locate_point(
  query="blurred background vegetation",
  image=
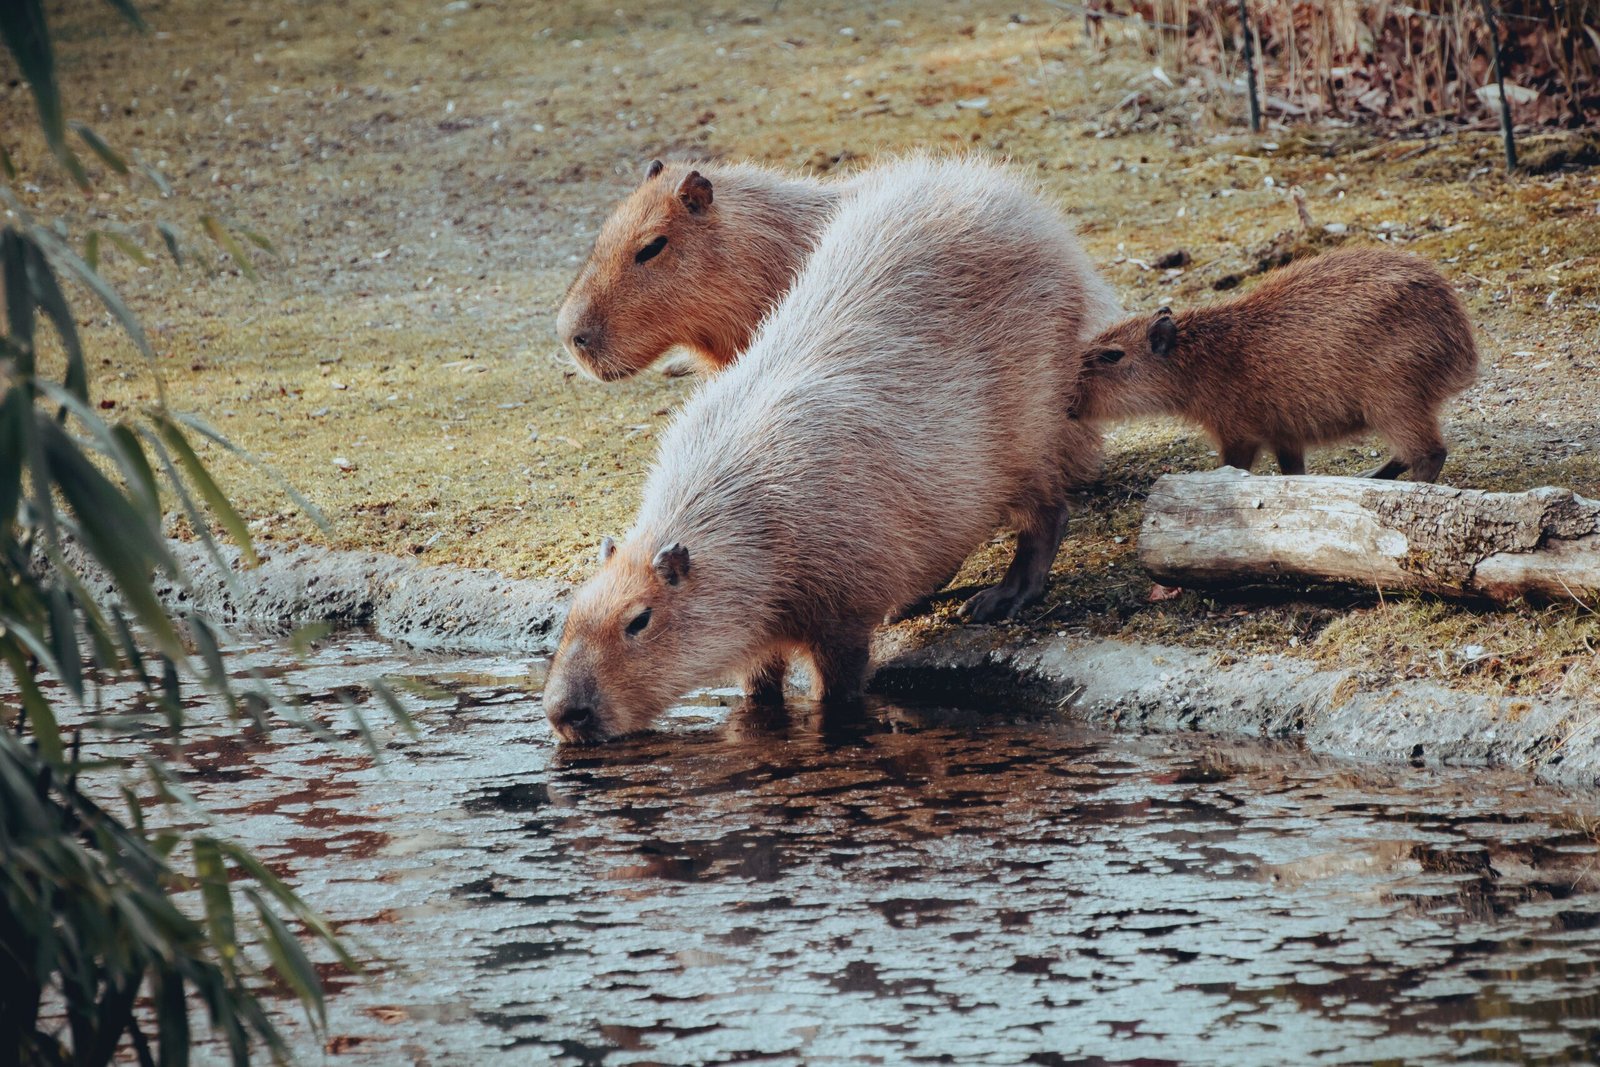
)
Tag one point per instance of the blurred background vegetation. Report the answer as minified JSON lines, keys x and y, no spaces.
{"x":1428,"y":63}
{"x":97,"y":959}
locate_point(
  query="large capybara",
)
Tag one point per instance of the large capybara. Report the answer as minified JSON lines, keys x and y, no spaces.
{"x":897,"y":407}
{"x":694,"y":257}
{"x":1321,"y":350}
{"x":697,"y":255}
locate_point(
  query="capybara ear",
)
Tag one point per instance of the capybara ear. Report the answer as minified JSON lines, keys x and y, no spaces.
{"x":695,"y":192}
{"x":653,"y":169}
{"x":672,"y":563}
{"x":1163,"y":333}
{"x":608,"y":548}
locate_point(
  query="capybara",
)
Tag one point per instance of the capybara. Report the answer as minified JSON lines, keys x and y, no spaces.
{"x":898,"y":406}
{"x":694,"y":257}
{"x":697,"y":255}
{"x":1320,"y":350}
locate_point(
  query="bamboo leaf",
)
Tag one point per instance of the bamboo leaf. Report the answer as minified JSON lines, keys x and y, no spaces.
{"x":98,"y":146}
{"x":130,"y":646}
{"x":143,"y":478}
{"x":19,"y":297}
{"x":212,"y":875}
{"x":257,"y":239}
{"x":64,"y":643}
{"x":290,"y":961}
{"x":127,"y":247}
{"x":170,"y":236}
{"x":196,"y":470}
{"x":126,"y":9}
{"x":390,"y":700}
{"x":219,"y":233}
{"x":27,"y":38}
{"x":41,"y":719}
{"x":91,"y":249}
{"x":200,"y":426}
{"x":64,"y":257}
{"x":114,"y":532}
{"x":47,"y":294}
{"x":172,"y":1021}
{"x":197,"y":518}
{"x":210,"y":652}
{"x":16,"y":411}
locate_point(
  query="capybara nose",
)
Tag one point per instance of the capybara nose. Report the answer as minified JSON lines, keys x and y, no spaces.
{"x":573,"y":716}
{"x":580,"y":340}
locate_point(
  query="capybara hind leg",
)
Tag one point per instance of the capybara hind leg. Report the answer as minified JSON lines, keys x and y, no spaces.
{"x":764,"y":685}
{"x":1291,"y":460}
{"x":920,"y":606}
{"x":840,"y":661}
{"x":1029,"y":572}
{"x":1241,"y":454}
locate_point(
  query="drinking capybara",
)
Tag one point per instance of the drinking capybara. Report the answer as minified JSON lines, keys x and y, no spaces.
{"x":1321,"y":350}
{"x":897,"y":406}
{"x":697,"y":255}
{"x":694,"y":257}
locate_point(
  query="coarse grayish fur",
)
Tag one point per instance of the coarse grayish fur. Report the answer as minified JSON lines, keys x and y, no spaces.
{"x":898,"y":407}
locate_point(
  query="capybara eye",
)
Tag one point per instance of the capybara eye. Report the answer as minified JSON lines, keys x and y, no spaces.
{"x":651,"y":250}
{"x":640,"y":621}
{"x":1110,"y":355}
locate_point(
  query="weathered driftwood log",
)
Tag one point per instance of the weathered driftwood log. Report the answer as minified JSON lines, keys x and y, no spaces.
{"x":1224,"y":527}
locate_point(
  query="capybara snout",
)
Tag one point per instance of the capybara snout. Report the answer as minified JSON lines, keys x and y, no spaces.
{"x":613,"y":669}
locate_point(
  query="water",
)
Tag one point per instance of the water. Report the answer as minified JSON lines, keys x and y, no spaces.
{"x":911,"y":885}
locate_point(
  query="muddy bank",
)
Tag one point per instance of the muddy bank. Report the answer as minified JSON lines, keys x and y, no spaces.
{"x":1120,"y":684}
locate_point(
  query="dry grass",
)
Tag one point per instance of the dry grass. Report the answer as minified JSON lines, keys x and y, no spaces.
{"x":433,"y":175}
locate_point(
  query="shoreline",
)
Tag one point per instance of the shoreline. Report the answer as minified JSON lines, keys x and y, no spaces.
{"x":1149,"y":688}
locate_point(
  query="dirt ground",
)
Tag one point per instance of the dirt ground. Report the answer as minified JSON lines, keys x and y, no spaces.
{"x":432,"y":173}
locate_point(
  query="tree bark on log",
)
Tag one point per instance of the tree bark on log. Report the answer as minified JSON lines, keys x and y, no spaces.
{"x":1225,"y":527}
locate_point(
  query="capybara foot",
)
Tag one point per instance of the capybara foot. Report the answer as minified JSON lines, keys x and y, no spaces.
{"x":841,"y":663}
{"x":1427,"y":468}
{"x":995,"y":604}
{"x":765,"y":684}
{"x":1392,"y":469}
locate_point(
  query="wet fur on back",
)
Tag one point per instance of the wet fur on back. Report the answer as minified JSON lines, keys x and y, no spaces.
{"x":1319,"y":351}
{"x":892,"y":412}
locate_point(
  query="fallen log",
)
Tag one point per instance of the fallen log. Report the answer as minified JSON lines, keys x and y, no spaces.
{"x":1225,"y":527}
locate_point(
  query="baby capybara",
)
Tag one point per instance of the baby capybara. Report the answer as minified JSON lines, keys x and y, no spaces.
{"x":895,"y":409}
{"x":693,"y":257}
{"x":1323,"y":349}
{"x":697,"y":255}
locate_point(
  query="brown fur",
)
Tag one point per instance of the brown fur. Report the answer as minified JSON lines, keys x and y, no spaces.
{"x":726,"y":261}
{"x":896,"y":408}
{"x":1355,"y":340}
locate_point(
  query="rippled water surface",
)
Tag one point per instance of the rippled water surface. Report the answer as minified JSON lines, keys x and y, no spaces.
{"x":912,"y":885}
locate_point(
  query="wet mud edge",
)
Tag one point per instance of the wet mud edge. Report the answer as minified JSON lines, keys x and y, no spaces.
{"x":1107,"y":683}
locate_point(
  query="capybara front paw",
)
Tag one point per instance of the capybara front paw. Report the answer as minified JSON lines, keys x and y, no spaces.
{"x":995,"y":604}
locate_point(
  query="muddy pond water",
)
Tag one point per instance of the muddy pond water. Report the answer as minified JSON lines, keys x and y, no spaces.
{"x":913,"y":884}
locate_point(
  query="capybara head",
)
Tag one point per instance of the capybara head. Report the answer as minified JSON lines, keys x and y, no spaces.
{"x":1127,"y":368}
{"x":650,"y":279}
{"x":624,"y":654}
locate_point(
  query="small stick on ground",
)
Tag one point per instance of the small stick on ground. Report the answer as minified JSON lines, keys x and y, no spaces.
{"x":1250,"y":69}
{"x":1500,"y":83}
